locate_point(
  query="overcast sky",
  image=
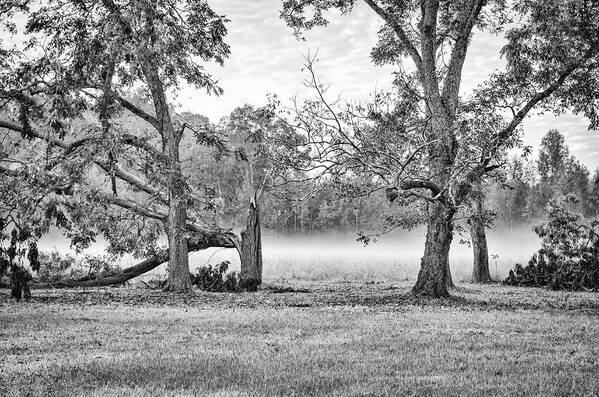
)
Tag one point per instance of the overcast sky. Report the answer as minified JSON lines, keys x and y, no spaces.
{"x":266,"y":58}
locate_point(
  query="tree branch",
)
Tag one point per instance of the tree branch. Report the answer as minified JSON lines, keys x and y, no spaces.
{"x":401,"y":34}
{"x":140,"y":143}
{"x":118,"y":171}
{"x":420,"y":184}
{"x":428,"y":38}
{"x":129,"y":205}
{"x":139,"y":112}
{"x":504,"y":134}
{"x":453,"y":78}
{"x":131,"y":179}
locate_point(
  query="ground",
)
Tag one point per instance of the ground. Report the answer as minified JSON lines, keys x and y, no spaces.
{"x":323,"y":338}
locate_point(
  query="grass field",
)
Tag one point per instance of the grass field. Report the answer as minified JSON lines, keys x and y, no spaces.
{"x":326,"y":338}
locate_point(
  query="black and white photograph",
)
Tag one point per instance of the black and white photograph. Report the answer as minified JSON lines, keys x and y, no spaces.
{"x":299,"y":198}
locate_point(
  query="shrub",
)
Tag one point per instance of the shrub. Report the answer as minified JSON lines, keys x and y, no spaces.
{"x":216,"y":279}
{"x":20,"y":246}
{"x":569,"y":254}
{"x":55,"y":267}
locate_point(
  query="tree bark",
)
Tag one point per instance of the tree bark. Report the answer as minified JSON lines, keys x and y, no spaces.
{"x":480,"y":268}
{"x":434,"y":277}
{"x":225,"y":240}
{"x":449,"y":278}
{"x":251,"y":250}
{"x":178,"y":261}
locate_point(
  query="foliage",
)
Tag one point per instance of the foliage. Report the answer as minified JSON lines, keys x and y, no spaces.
{"x":216,"y":279}
{"x":540,"y":72}
{"x":20,"y":247}
{"x":55,"y":267}
{"x":569,"y":254}
{"x":68,"y":88}
{"x":553,"y":155}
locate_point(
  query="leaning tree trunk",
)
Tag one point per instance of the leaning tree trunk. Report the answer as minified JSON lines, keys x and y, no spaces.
{"x":480,"y":268}
{"x":251,"y":250}
{"x":434,"y":277}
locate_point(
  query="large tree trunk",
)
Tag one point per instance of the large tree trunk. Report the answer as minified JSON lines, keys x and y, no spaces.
{"x":225,"y":240}
{"x":480,"y":269}
{"x":434,"y":277}
{"x":178,"y":262}
{"x":178,"y":267}
{"x":251,"y":250}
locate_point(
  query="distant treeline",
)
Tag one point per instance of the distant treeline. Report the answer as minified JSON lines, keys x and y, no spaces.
{"x":529,"y":184}
{"x":519,"y":194}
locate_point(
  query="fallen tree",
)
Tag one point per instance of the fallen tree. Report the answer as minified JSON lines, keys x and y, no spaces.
{"x":101,"y":279}
{"x":569,"y":254}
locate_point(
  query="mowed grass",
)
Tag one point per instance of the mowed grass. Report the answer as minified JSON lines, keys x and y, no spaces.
{"x":338,"y":339}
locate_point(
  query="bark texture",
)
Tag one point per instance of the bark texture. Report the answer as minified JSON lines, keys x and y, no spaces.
{"x":480,"y":265}
{"x":178,"y":257}
{"x":434,"y":276}
{"x":251,"y":250}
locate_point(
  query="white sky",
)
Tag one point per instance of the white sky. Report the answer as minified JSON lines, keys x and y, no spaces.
{"x":267,"y":58}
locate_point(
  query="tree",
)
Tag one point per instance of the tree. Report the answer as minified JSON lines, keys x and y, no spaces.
{"x":551,"y":63}
{"x":93,"y":53}
{"x":553,"y":155}
{"x":574,"y":180}
{"x":250,"y":129}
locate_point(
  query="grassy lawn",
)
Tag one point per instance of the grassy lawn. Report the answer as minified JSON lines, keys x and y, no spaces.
{"x":339,"y":339}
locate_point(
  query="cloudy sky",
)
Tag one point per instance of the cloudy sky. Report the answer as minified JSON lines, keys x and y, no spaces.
{"x":266,"y":58}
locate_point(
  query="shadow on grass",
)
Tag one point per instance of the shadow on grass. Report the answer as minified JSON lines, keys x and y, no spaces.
{"x":377,"y":296}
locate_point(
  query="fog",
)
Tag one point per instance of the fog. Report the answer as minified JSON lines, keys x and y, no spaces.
{"x":339,"y":257}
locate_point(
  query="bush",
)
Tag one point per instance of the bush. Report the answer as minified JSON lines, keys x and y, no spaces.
{"x":569,"y":254}
{"x":11,"y":260}
{"x":216,"y":279}
{"x":55,"y":267}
